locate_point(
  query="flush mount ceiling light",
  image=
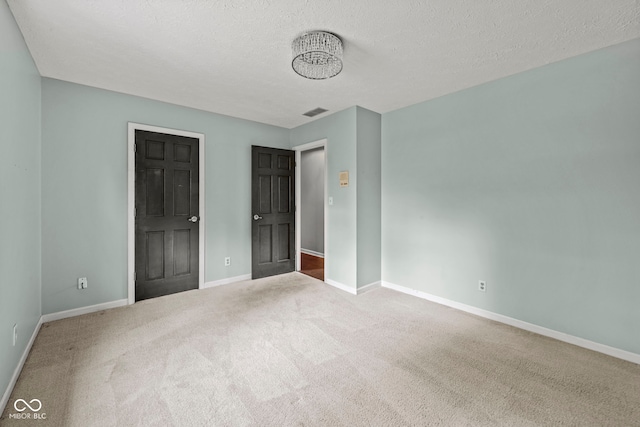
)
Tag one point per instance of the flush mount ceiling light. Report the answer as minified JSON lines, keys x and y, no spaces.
{"x":317,"y":55}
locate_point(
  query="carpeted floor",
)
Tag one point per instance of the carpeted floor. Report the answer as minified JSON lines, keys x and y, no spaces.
{"x":291,"y":350}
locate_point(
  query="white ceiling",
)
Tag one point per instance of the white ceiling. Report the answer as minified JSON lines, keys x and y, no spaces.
{"x":233,"y":56}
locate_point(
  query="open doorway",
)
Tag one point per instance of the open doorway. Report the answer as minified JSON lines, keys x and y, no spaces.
{"x":311,"y":212}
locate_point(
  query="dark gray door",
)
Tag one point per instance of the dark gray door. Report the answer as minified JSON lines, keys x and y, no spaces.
{"x":166,"y":220}
{"x":273,"y":211}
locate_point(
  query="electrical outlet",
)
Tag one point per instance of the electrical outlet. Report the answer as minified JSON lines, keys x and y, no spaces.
{"x":482,"y":286}
{"x":15,"y":334}
{"x":227,"y":261}
{"x":82,"y":283}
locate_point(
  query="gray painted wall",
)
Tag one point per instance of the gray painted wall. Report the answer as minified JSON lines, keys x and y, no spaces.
{"x":340,"y":248}
{"x":312,"y":200}
{"x":20,"y":276}
{"x":352,"y":250}
{"x":531,"y":183}
{"x":84,"y":191}
{"x":369,"y":196}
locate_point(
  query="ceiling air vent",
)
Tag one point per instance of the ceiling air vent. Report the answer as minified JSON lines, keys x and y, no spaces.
{"x":315,"y":112}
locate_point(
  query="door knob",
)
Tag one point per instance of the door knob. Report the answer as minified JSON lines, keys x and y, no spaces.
{"x":193,"y":219}
{"x":257,"y":217}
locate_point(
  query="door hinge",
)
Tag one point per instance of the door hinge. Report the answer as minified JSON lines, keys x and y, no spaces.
{"x":135,"y":147}
{"x":135,"y":276}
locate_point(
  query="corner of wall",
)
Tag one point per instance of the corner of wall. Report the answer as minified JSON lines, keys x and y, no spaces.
{"x":20,"y":210}
{"x":369,"y":202}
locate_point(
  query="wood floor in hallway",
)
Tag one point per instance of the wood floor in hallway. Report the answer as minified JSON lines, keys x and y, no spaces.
{"x":312,"y":265}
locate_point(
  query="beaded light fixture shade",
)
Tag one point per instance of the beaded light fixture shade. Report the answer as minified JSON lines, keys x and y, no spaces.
{"x":317,"y":55}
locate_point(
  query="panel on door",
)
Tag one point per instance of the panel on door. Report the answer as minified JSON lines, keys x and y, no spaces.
{"x":166,"y":217}
{"x":273,"y":211}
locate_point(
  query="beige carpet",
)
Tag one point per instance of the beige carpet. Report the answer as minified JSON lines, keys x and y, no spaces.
{"x":291,"y":351}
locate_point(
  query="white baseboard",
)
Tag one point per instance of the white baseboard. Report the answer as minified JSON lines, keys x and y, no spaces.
{"x":50,"y":318}
{"x":227,"y":281}
{"x":369,"y":287}
{"x":83,"y":310}
{"x":16,"y":372}
{"x":560,"y":336}
{"x":340,"y":286}
{"x":352,"y":291}
{"x":310,"y":252}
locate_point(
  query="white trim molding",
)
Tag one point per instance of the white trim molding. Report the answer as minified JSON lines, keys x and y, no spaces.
{"x":369,"y":287}
{"x":227,"y":281}
{"x":16,"y":372}
{"x":83,"y":310}
{"x":131,"y":139}
{"x":560,"y":336}
{"x":50,"y":318}
{"x":340,"y":286}
{"x":353,"y":291}
{"x":312,"y":253}
{"x":299,"y":149}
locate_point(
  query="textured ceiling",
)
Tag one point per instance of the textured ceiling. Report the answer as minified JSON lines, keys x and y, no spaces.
{"x":233,"y":56}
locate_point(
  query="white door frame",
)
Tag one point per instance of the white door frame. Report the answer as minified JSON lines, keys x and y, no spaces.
{"x":299,"y":149}
{"x":131,"y":227}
